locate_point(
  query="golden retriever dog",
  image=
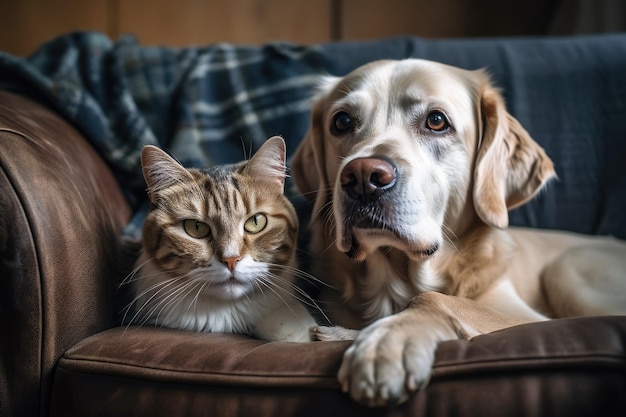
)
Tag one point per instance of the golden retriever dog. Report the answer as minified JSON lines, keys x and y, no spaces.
{"x":411,"y":167}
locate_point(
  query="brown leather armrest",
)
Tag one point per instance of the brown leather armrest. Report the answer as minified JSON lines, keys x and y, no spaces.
{"x":60,"y":213}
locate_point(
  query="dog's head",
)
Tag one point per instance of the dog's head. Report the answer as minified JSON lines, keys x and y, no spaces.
{"x":402,"y":153}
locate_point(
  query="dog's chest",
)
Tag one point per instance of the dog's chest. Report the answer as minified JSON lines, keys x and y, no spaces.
{"x":388,"y":283}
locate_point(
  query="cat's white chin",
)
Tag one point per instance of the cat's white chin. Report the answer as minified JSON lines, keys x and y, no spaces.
{"x":231,"y":289}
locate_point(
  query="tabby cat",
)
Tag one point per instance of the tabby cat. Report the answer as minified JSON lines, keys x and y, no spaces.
{"x":219,"y":249}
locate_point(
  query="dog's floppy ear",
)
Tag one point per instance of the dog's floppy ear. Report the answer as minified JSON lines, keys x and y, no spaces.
{"x":510,"y":166}
{"x":307,"y":166}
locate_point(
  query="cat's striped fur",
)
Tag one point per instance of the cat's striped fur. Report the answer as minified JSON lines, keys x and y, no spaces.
{"x":219,"y":249}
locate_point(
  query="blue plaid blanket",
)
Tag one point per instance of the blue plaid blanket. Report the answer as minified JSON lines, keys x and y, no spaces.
{"x":206,"y":105}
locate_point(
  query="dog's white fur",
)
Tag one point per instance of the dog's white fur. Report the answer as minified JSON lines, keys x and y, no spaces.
{"x":441,"y":262}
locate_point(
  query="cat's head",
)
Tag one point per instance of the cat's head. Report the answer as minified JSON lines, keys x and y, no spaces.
{"x":229,"y":226}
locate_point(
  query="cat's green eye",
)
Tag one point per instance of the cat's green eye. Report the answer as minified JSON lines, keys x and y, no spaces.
{"x":255,"y":223}
{"x":196,"y":229}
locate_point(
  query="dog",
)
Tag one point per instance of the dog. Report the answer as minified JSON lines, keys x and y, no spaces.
{"x":411,"y":167}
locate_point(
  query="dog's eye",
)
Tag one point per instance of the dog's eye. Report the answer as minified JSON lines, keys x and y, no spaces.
{"x":437,"y":121}
{"x":342,"y":123}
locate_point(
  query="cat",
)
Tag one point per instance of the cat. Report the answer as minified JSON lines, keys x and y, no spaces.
{"x":218,"y":249}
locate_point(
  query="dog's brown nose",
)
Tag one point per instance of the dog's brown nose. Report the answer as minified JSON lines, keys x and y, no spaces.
{"x":366,"y":179}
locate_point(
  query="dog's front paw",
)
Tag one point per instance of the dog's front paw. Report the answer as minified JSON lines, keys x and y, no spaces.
{"x":390,"y":359}
{"x":329,"y":333}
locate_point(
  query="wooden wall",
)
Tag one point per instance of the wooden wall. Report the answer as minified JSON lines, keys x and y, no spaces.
{"x":28,"y":23}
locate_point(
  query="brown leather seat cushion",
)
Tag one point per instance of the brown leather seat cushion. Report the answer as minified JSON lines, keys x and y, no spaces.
{"x":526,"y":370}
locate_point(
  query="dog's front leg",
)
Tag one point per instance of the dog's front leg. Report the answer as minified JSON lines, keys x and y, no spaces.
{"x":393,"y":356}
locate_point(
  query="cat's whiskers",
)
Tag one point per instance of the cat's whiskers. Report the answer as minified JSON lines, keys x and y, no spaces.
{"x":315,"y":192}
{"x":294,"y":291}
{"x":131,"y":277}
{"x":194,"y":279}
{"x":194,"y":302}
{"x":173,"y":298}
{"x":324,"y":209}
{"x":258,"y":287}
{"x":312,"y":279}
{"x":269,"y":284}
{"x":127,"y":308}
{"x":157,"y":288}
{"x":328,"y":220}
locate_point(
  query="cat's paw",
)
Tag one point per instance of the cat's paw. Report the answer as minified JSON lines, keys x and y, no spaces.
{"x":326,"y":333}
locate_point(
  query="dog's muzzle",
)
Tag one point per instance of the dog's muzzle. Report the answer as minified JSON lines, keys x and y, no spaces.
{"x":367,"y":179}
{"x":372,"y":214}
{"x":364,"y":181}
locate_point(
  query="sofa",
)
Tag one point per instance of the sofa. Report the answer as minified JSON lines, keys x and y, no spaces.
{"x":73,"y":118}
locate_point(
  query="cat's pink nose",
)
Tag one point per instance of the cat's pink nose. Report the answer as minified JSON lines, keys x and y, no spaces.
{"x":231,"y":262}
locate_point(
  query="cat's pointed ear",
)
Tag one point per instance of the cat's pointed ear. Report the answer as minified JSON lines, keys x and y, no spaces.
{"x":269,"y":162}
{"x":160,"y":171}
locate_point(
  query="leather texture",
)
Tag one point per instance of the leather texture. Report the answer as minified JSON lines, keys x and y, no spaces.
{"x":565,"y":367}
{"x":60,"y":214}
